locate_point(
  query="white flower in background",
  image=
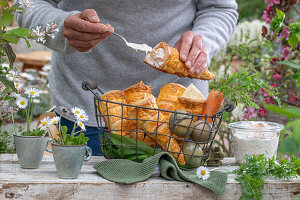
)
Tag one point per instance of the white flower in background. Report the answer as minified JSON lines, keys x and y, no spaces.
{"x":40,"y":36}
{"x":27,"y":76}
{"x":203,"y":173}
{"x":18,"y":85}
{"x":238,"y":113}
{"x":44,"y":92}
{"x":36,"y":101}
{"x":51,"y":109}
{"x":82,"y":117}
{"x":5,"y":65}
{"x":54,"y":120}
{"x":44,"y":123}
{"x":247,"y":31}
{"x":77,"y":111}
{"x":32,"y":92}
{"x":25,"y":3}
{"x":46,"y":68}
{"x":81,"y":125}
{"x":43,"y":73}
{"x":22,"y":102}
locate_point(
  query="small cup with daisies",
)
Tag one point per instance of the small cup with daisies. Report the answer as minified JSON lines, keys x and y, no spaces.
{"x":27,"y":102}
{"x":69,"y":148}
{"x":76,"y":136}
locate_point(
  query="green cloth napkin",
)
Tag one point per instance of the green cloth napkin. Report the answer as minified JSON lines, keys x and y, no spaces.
{"x":128,"y":172}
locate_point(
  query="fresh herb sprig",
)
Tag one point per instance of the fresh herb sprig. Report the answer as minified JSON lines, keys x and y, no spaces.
{"x":253,"y":172}
{"x":239,"y":86}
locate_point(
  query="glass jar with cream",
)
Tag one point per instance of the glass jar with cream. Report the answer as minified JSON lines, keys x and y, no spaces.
{"x":254,"y":138}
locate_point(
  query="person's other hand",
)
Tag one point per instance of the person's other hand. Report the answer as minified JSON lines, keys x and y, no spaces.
{"x":192,"y":52}
{"x":83,"y":30}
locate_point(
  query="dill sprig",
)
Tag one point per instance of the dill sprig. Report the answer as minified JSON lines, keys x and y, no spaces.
{"x":256,"y":169}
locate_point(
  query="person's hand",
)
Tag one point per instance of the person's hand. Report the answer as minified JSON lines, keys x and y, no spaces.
{"x":83,"y":30}
{"x":192,"y":52}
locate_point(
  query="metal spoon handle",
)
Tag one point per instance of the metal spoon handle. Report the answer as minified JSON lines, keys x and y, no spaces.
{"x":118,"y":36}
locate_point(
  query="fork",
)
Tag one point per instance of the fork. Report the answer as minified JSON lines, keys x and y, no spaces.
{"x":134,"y":46}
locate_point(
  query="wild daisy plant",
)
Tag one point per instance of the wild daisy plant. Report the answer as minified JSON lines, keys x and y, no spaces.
{"x":27,"y":102}
{"x":76,"y":137}
{"x":8,"y":82}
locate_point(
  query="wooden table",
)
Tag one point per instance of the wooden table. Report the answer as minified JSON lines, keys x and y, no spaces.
{"x":34,"y":59}
{"x":42,"y":183}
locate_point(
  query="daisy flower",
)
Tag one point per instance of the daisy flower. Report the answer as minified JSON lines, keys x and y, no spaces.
{"x":82,"y":117}
{"x":81,"y":125}
{"x":77,"y":111}
{"x":51,"y":109}
{"x":18,"y":85}
{"x":44,"y":123}
{"x":203,"y":173}
{"x":22,"y":102}
{"x":54,"y":120}
{"x":32,"y":92}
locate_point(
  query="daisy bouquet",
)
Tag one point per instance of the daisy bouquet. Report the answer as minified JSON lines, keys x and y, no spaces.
{"x":27,"y":102}
{"x":76,"y":136}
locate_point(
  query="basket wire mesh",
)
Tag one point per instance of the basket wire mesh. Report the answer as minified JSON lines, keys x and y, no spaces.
{"x":209,"y":126}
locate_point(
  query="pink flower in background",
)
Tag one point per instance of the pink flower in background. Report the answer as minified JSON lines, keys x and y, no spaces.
{"x":262,"y":112}
{"x":263,"y":91}
{"x":249,"y":113}
{"x":272,"y":2}
{"x":293,"y":99}
{"x":277,"y":76}
{"x":285,"y":33}
{"x":267,"y":17}
{"x":285,"y":52}
{"x":273,"y":85}
{"x":268,"y":100}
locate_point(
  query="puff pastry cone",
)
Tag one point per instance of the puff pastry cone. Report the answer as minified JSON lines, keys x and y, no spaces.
{"x":133,"y":95}
{"x":148,"y":122}
{"x":166,"y":58}
{"x":116,"y":118}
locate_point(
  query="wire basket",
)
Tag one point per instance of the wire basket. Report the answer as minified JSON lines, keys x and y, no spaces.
{"x":191,"y":150}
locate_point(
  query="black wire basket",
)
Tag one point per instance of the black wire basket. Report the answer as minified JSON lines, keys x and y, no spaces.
{"x":191,"y":150}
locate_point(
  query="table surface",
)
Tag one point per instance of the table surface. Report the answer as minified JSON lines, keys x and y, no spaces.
{"x":42,"y":183}
{"x":38,"y":58}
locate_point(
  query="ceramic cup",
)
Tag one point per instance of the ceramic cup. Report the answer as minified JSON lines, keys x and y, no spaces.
{"x":68,"y":159}
{"x":30,"y":150}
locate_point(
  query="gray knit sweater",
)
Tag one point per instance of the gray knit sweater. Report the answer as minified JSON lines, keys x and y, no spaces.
{"x":111,"y":64}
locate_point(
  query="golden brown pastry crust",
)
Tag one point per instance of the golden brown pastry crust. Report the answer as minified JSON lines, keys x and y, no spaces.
{"x":152,"y":121}
{"x":115,"y":117}
{"x":168,"y":97}
{"x":192,"y":106}
{"x":173,"y":65}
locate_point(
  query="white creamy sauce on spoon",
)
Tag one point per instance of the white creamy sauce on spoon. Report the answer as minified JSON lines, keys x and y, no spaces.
{"x":139,"y":47}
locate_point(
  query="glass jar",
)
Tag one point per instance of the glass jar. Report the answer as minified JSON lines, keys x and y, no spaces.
{"x":254,"y":138}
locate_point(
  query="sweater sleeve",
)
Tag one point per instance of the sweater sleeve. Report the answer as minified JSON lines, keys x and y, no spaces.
{"x":44,"y":12}
{"x":215,"y":21}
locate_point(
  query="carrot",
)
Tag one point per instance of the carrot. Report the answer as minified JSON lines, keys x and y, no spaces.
{"x":213,"y":104}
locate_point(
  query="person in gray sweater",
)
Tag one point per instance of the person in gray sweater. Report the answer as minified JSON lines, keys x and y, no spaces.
{"x":84,"y":51}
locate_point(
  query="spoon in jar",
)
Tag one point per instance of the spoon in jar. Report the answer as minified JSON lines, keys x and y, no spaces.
{"x":136,"y":47}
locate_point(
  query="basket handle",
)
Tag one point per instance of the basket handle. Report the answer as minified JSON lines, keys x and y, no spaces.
{"x":90,"y":86}
{"x":229,"y":107}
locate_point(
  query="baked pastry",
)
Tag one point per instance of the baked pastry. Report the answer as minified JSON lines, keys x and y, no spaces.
{"x":166,"y":58}
{"x":151,"y":121}
{"x":168,"y":97}
{"x":192,"y":100}
{"x":133,"y":95}
{"x":115,"y":117}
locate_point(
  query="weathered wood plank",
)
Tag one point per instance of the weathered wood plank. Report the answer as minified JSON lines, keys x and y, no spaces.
{"x":42,"y":183}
